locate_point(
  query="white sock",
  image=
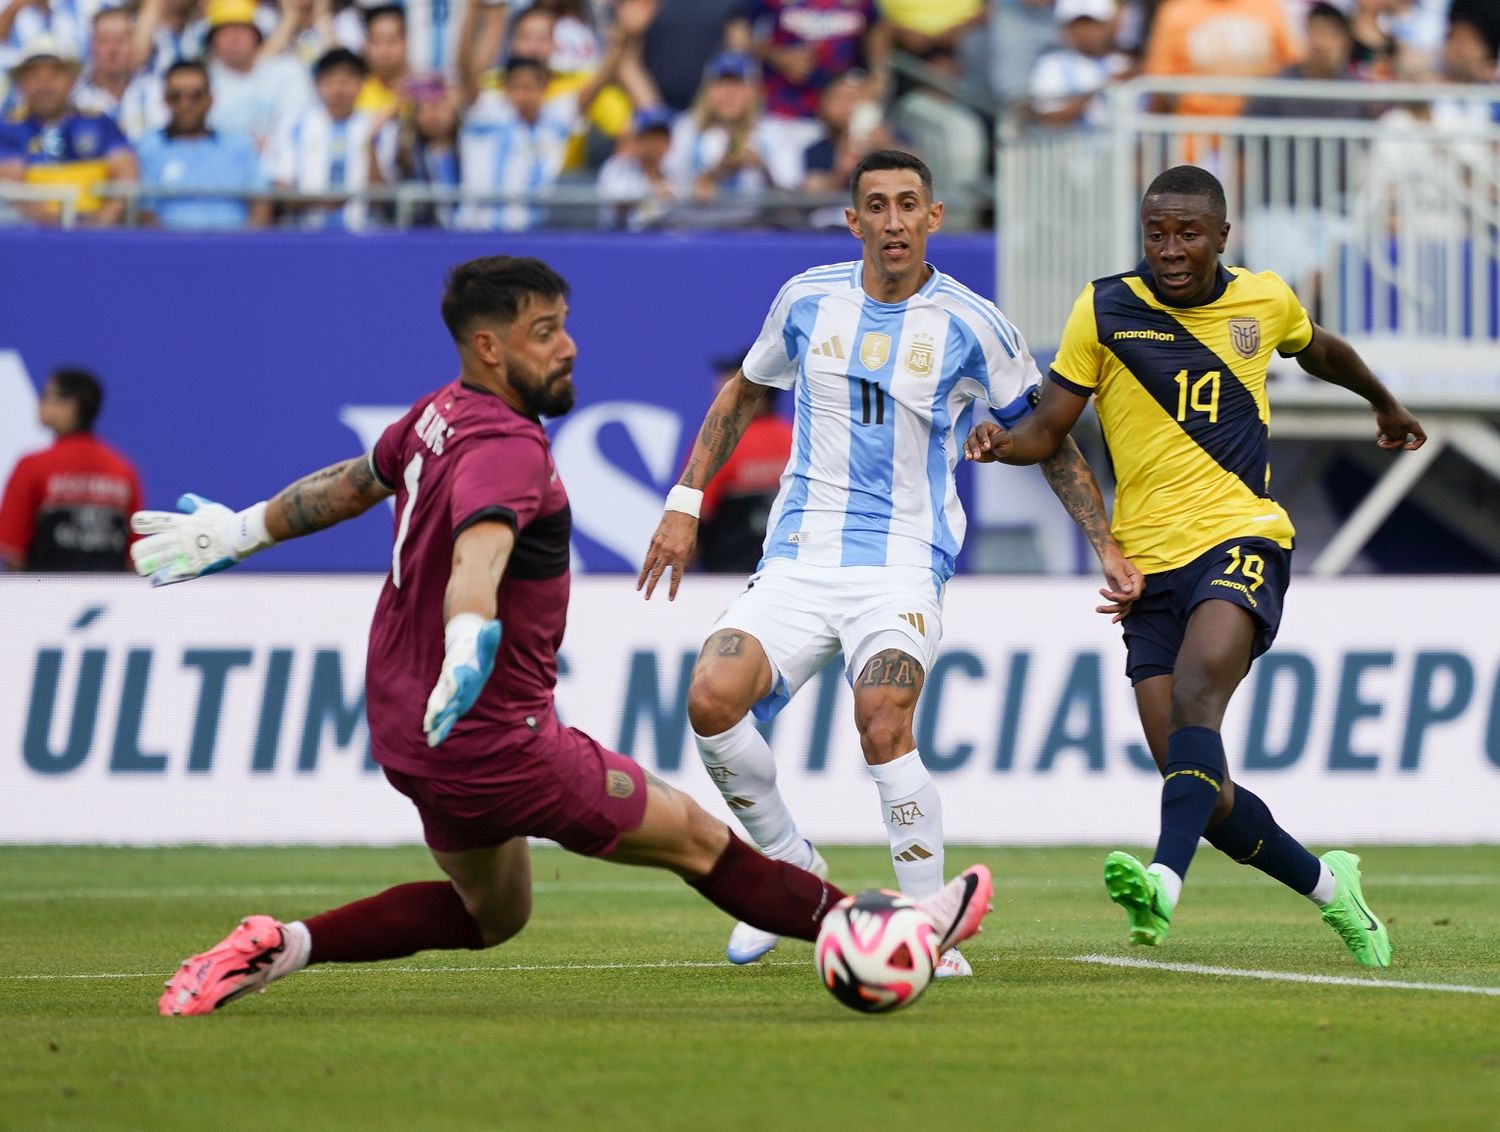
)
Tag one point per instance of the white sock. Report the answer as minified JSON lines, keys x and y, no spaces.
{"x":1327,"y":887}
{"x":1171,"y":883}
{"x":914,"y":821}
{"x":740,"y":763}
{"x":296,"y":946}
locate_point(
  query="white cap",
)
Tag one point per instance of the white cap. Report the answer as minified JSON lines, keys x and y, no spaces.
{"x":43,"y":46}
{"x":1069,"y":10}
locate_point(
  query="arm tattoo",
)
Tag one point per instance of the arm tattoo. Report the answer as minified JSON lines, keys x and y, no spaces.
{"x":721,"y":431}
{"x":330,"y":495}
{"x":1072,"y":481}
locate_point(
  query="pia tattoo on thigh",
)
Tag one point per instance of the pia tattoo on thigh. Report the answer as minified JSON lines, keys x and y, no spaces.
{"x":891,"y":669}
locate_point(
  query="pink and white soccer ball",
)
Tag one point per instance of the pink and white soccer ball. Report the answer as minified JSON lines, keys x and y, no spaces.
{"x":876,"y":951}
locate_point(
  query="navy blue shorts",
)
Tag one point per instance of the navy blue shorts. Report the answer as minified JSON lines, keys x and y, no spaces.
{"x":1250,"y":572}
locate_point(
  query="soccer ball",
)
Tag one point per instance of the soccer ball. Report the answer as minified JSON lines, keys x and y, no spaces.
{"x":876,"y":951}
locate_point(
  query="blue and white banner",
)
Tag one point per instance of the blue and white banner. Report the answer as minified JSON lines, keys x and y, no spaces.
{"x":230,"y":710}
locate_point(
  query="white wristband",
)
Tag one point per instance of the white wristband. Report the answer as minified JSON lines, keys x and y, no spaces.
{"x":252,"y":534}
{"x":688,"y":500}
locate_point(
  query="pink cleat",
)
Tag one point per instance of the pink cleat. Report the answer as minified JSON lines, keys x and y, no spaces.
{"x":238,"y":965}
{"x":960,"y":905}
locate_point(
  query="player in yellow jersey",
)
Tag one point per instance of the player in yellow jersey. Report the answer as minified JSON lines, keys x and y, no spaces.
{"x":1175,"y":354}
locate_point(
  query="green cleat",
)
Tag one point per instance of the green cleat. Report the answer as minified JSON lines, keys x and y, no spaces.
{"x":1348,"y":914}
{"x":1131,"y":887}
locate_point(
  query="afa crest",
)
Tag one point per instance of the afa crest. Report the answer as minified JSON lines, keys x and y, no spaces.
{"x":919,"y":356}
{"x":1244,"y":336}
{"x":874,"y":350}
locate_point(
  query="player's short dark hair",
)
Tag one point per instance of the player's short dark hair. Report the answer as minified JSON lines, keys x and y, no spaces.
{"x":1323,"y":10}
{"x":518,"y":64}
{"x":382,"y":10}
{"x":340,"y":57}
{"x":82,"y":388}
{"x":496,"y":287}
{"x":1190,"y":181}
{"x":183,"y":66}
{"x":883,"y":159}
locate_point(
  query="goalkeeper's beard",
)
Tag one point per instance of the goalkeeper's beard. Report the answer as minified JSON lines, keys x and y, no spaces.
{"x":549,"y":396}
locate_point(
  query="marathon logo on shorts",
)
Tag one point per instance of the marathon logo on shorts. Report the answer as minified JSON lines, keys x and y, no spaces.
{"x":618,"y":784}
{"x":1241,"y":587}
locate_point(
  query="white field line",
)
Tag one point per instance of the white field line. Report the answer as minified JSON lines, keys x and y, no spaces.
{"x":1281,"y":976}
{"x":195,"y":891}
{"x":391,"y":969}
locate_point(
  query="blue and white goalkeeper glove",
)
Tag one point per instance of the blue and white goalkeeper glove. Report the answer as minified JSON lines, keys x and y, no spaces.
{"x":204,"y":538}
{"x":469,"y":657}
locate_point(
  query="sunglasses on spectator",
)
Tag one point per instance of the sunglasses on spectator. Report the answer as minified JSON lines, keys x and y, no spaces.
{"x":186,"y":95}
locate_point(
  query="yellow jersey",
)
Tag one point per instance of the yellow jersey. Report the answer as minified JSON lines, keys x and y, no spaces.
{"x":1181,"y":397}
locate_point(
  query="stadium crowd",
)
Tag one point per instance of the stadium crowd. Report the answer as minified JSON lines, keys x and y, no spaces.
{"x":666,"y":112}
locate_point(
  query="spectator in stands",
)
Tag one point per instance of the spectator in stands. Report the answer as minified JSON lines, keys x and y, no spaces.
{"x":634,"y":181}
{"x":186,"y":154}
{"x":420,"y":145}
{"x":166,"y":31}
{"x":47,"y":141}
{"x":1225,"y":38}
{"x":1329,"y":58}
{"x":685,"y":35}
{"x":253,"y":93}
{"x":1483,"y":15}
{"x":112,"y":85}
{"x":720,"y":149}
{"x":457,"y":39}
{"x":23,"y":21}
{"x":385,"y":52}
{"x":514,"y":141}
{"x":68,"y":507}
{"x":577,"y":46}
{"x":956,"y":30}
{"x":737,"y":501}
{"x":304,"y":30}
{"x":1020,"y":32}
{"x":1373,"y":54}
{"x":853,"y":127}
{"x":1067,"y":84}
{"x":803,"y":45}
{"x":327,"y":148}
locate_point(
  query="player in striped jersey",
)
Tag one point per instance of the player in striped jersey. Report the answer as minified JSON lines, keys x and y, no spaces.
{"x":885,"y":356}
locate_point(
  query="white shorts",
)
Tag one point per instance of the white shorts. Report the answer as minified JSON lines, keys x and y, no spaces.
{"x":803,"y":615}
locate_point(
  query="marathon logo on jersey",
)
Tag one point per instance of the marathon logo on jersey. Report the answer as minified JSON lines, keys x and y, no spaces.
{"x":874,"y":349}
{"x":919,"y":356}
{"x":434,"y":429}
{"x":1244,"y":335}
{"x":1149,"y":335}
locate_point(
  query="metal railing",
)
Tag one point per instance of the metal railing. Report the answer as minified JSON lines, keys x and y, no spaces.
{"x":1387,"y":225}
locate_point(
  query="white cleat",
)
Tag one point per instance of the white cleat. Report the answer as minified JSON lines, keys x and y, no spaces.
{"x":748,"y":943}
{"x":952,"y":966}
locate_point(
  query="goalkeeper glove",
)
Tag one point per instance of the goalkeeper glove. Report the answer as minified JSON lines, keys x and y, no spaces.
{"x":204,"y":538}
{"x":468,"y":660}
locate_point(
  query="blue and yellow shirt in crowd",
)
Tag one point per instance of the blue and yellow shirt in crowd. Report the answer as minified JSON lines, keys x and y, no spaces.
{"x":1181,"y":397}
{"x":69,"y":151}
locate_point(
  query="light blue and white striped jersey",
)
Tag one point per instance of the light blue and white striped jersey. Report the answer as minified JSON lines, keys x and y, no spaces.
{"x":879,"y":389}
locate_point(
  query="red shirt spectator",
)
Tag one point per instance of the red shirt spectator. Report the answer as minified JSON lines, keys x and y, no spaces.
{"x":68,"y":507}
{"x":810,"y":42}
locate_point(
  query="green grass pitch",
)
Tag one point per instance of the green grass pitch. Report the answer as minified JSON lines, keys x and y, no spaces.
{"x":615,"y":1009}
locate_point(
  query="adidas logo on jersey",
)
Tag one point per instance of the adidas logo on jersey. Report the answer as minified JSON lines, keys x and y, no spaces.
{"x":832,"y":348}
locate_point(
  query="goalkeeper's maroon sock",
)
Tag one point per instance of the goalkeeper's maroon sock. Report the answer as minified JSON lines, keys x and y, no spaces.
{"x":772,"y":895}
{"x":428,"y":916}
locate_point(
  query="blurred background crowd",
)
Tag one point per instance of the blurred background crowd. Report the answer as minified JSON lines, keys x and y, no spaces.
{"x":650,"y":113}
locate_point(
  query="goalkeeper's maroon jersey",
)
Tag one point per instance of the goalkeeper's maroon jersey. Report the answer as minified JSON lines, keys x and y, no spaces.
{"x":458,"y":457}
